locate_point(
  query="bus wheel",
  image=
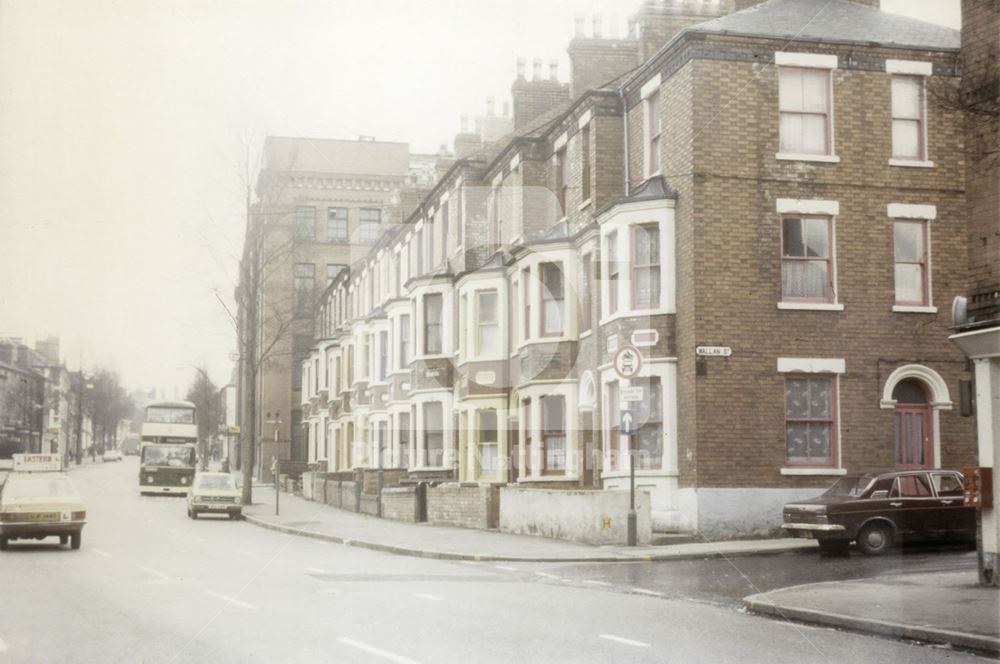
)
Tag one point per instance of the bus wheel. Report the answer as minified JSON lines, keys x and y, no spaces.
{"x":74,"y":540}
{"x":3,"y":542}
{"x":63,"y":539}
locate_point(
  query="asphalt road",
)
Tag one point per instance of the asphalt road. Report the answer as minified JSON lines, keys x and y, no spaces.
{"x":151,"y":585}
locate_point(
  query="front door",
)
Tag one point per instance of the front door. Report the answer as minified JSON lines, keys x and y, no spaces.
{"x":912,"y":427}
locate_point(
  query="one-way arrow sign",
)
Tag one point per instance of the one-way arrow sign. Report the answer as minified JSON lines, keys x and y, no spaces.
{"x":628,"y":423}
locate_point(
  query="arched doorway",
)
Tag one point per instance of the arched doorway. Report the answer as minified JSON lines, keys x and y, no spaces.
{"x":912,"y":433}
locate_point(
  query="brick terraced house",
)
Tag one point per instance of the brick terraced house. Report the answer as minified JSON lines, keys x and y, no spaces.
{"x":760,"y":198}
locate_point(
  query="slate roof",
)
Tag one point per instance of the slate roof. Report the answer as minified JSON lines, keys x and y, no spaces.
{"x":832,"y":21}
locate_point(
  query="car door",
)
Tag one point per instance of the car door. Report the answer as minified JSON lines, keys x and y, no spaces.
{"x":913,"y":505}
{"x":953,"y":518}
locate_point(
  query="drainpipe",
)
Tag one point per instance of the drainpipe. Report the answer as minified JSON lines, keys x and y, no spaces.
{"x":628,"y":185}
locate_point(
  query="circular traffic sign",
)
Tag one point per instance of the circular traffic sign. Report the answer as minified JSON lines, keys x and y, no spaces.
{"x":628,"y":362}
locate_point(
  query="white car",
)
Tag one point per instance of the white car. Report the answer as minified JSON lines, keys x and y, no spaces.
{"x":112,"y":455}
{"x":214,"y":493}
{"x":36,"y":505}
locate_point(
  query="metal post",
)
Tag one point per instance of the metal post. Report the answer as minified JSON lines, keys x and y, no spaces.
{"x":379,"y":484}
{"x":631,"y":524}
{"x":275,"y":468}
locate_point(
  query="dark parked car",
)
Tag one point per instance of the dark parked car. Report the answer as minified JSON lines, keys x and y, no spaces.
{"x":877,"y":510}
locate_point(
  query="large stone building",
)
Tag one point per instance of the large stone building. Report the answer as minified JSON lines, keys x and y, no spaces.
{"x":321,"y":204}
{"x":758,"y":201}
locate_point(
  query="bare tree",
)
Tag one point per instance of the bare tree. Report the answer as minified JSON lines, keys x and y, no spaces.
{"x":205,"y":396}
{"x":106,"y":403}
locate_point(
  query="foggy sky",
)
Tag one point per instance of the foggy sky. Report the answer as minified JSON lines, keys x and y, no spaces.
{"x":123,"y":124}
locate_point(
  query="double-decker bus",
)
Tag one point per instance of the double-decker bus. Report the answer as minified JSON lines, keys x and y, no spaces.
{"x":168,"y":452}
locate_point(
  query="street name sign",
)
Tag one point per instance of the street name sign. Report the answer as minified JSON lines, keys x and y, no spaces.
{"x":713,"y":351}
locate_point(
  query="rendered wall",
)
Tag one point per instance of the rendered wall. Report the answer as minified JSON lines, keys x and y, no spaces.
{"x":594,"y":517}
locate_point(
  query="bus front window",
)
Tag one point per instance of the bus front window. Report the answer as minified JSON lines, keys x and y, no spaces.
{"x":168,"y":455}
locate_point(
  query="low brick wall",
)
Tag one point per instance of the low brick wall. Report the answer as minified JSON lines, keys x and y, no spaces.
{"x":390,"y":478}
{"x":464,"y":505}
{"x":308,"y":487}
{"x":369,"y":504}
{"x":400,"y":504}
{"x":594,"y":517}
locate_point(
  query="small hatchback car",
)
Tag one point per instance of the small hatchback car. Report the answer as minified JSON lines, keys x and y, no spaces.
{"x":215,"y":493}
{"x":877,"y":510}
{"x":37,"y":505}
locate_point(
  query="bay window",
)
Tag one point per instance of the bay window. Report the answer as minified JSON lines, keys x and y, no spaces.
{"x":526,"y":299}
{"x":383,"y":355}
{"x":649,"y":420}
{"x":553,"y":435}
{"x":526,"y":424}
{"x":432,"y":323}
{"x":646,"y":266}
{"x":404,"y":341}
{"x":488,"y":443}
{"x":553,"y":298}
{"x":403,"y":427}
{"x":488,"y":323}
{"x":433,"y":441}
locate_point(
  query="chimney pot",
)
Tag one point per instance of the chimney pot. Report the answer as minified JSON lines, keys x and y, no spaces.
{"x":553,"y":70}
{"x":536,"y":69}
{"x":579,"y":21}
{"x":520,"y":69}
{"x":598,"y":31}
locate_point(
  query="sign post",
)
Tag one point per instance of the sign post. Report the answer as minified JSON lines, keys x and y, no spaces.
{"x":631,"y":525}
{"x":277,"y":489}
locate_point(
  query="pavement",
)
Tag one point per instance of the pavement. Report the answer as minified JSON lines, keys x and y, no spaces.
{"x":946,"y":607}
{"x":307,"y":518}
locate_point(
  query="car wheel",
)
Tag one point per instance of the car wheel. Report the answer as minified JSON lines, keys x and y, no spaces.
{"x":194,"y":515}
{"x":3,"y":542}
{"x":74,"y":540}
{"x":875,"y":539}
{"x":63,"y":539}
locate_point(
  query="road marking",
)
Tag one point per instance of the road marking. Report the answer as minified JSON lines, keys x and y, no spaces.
{"x":248,"y":553}
{"x":317,"y":570}
{"x":628,"y":642}
{"x":101,"y":553}
{"x":596,"y":583}
{"x":643,"y":591}
{"x":433,"y":598}
{"x":231,"y":600}
{"x":391,"y":656}
{"x":328,"y":591}
{"x":547,"y":575}
{"x":154,"y":572}
{"x":506,"y":568}
{"x":3,"y":646}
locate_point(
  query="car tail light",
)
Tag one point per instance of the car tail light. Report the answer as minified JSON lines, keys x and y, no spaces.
{"x":149,"y":479}
{"x":78,"y":516}
{"x":184,"y":480}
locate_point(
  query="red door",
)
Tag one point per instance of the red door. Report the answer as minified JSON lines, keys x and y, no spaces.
{"x":913,"y":438}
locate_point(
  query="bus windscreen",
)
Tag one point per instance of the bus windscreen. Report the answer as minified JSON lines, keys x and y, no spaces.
{"x":168,"y":455}
{"x":164,"y":415}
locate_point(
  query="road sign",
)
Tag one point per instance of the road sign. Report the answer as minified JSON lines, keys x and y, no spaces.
{"x":628,"y":423}
{"x":713,"y":351}
{"x":234,"y":429}
{"x":632,"y":393}
{"x":628,"y":361}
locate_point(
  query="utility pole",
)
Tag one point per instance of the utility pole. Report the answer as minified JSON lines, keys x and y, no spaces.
{"x":79,"y":415}
{"x":248,"y":350}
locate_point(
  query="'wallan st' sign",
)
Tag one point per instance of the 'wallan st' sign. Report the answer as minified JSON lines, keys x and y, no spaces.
{"x":713,"y":351}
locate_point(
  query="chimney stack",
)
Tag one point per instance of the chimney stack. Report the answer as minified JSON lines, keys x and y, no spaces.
{"x":536,"y":69}
{"x":598,"y":30}
{"x":520,"y":69}
{"x":553,"y":70}
{"x":537,"y":96}
{"x":579,"y":28}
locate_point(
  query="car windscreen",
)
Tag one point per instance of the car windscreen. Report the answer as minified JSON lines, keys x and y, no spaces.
{"x":167,"y":455}
{"x":850,"y":486}
{"x":38,"y":487}
{"x":215,"y":482}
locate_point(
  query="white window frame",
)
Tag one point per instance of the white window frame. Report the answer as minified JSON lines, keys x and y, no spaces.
{"x":914,"y":69}
{"x":815,"y":61}
{"x":834,"y":367}
{"x":648,"y":90}
{"x":791,"y":207}
{"x":927,"y":214}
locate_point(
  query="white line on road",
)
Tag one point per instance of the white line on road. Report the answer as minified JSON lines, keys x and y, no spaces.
{"x":596,"y":583}
{"x":3,"y":646}
{"x":149,"y":570}
{"x":317,"y":570}
{"x":101,"y":553}
{"x":433,"y":598}
{"x":547,"y":575}
{"x":643,"y":591}
{"x":391,"y":656}
{"x":328,"y":591}
{"x":628,"y":642}
{"x":506,"y":568}
{"x":231,"y":600}
{"x":248,"y":553}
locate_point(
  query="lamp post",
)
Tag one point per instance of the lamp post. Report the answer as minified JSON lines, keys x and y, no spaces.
{"x":79,"y":414}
